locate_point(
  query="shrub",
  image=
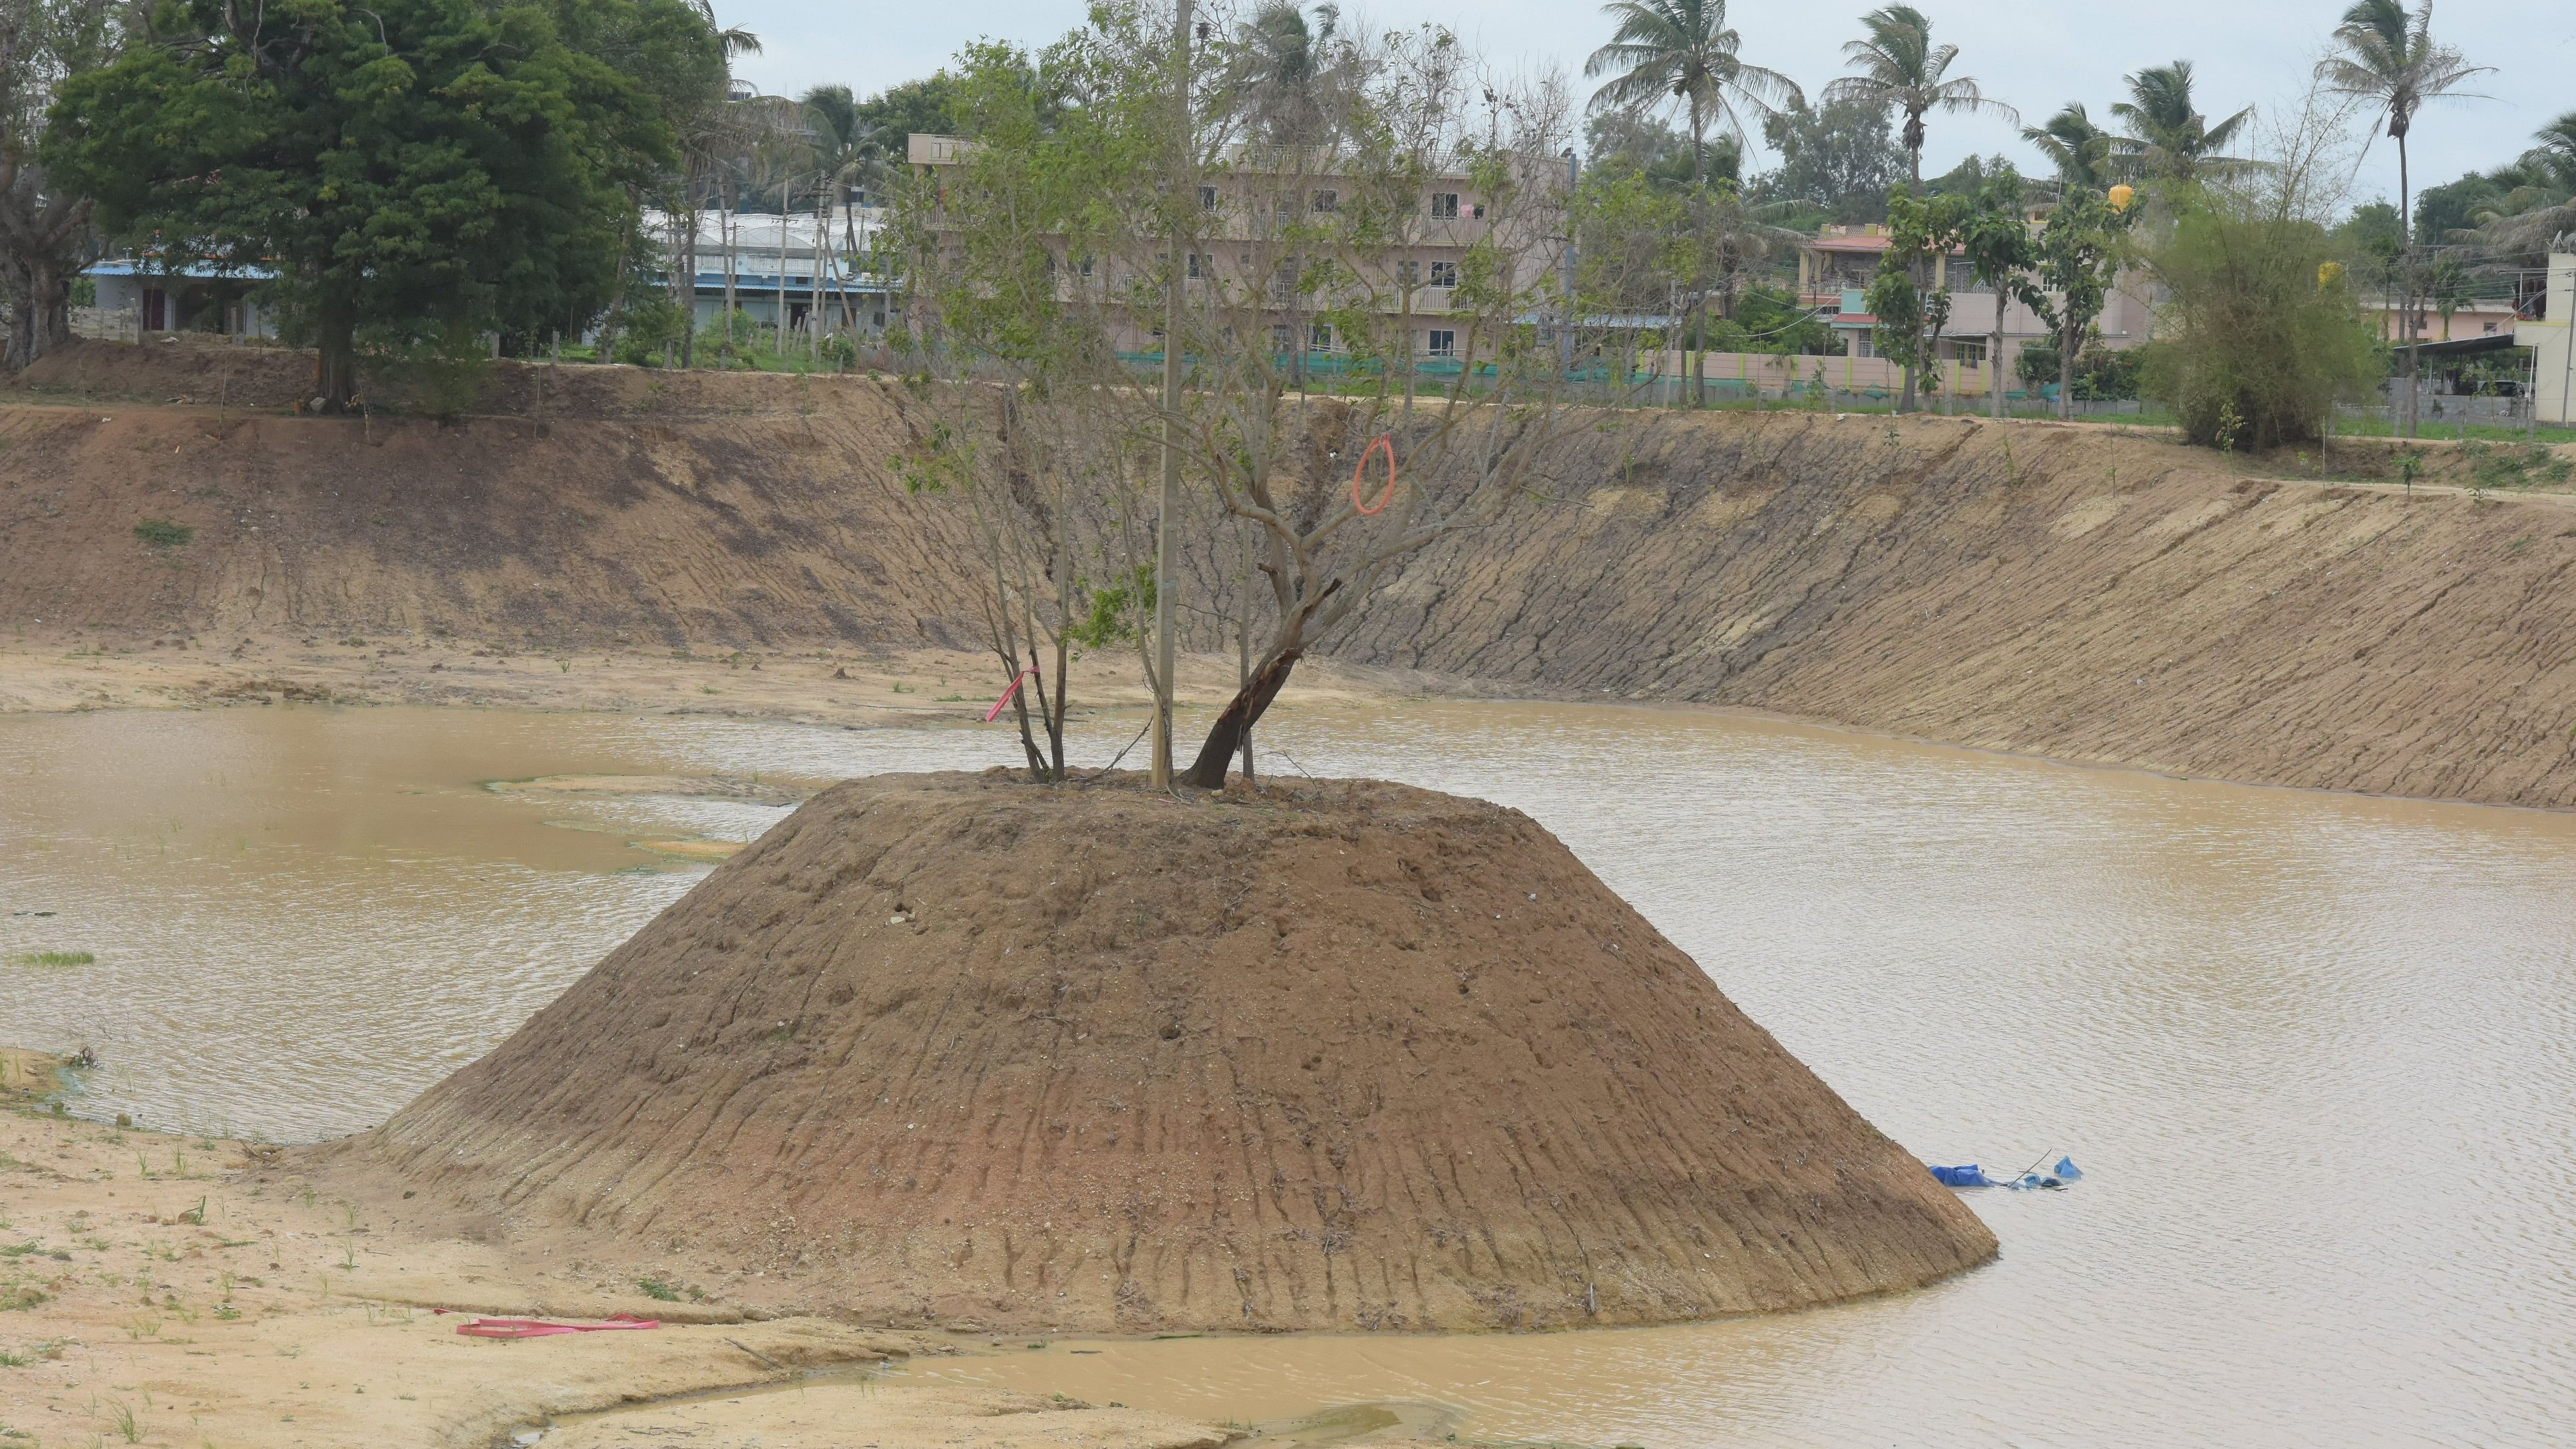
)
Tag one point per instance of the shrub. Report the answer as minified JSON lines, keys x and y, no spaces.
{"x":2101,"y":374}
{"x":162,"y":533}
{"x":2260,"y":338}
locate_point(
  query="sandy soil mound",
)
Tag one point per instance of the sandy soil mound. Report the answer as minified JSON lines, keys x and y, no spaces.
{"x":954,"y":1048}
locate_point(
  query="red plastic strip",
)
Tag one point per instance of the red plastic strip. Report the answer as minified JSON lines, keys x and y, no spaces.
{"x":995,"y":712}
{"x":540,"y":1328}
{"x":1385,"y":444}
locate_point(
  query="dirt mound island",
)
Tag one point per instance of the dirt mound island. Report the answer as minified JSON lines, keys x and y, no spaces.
{"x":1341,"y":1055}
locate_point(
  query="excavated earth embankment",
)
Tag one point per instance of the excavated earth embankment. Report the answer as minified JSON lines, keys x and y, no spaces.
{"x":2075,"y":592}
{"x":1342,"y":1055}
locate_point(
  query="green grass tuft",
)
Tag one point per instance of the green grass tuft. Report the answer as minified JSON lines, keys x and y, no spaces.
{"x":53,"y":958}
{"x":162,"y":533}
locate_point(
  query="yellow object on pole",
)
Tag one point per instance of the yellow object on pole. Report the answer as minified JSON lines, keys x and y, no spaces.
{"x":2122,"y":195}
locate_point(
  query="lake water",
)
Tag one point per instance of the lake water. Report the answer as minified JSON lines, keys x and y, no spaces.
{"x":2316,"y":1053}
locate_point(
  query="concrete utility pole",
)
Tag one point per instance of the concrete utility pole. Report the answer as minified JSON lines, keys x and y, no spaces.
{"x":1166,"y":651}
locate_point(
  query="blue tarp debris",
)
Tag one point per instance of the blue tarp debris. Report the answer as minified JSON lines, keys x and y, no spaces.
{"x":1971,"y":1175}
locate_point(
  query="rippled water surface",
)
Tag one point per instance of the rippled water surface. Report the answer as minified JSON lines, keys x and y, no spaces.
{"x":2317,"y":1053}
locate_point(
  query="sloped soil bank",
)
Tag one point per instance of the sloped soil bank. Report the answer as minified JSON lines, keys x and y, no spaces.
{"x":953,"y":1048}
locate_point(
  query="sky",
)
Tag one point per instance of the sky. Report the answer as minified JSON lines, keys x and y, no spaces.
{"x":2035,"y":56}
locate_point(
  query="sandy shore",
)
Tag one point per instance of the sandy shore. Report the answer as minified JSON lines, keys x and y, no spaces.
{"x":42,"y":674}
{"x":152,"y":1292}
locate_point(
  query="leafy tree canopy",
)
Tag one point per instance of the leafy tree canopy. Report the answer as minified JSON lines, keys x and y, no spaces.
{"x":2370,"y":234}
{"x":421,"y":170}
{"x":1840,"y":157}
{"x":1628,"y":141}
{"x":927,"y":106}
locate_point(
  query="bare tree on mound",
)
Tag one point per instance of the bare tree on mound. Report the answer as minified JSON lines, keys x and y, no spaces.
{"x":1369,"y":275}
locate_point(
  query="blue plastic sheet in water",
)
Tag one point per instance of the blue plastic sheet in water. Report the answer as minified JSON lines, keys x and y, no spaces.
{"x":1971,"y":1175}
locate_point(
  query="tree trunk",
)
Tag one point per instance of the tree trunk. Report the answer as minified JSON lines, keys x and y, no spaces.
{"x":1995,"y":357}
{"x":1695,"y":355}
{"x":729,"y":232}
{"x":335,"y":363}
{"x":688,"y":279}
{"x":2406,"y":259}
{"x":1241,"y":713}
{"x":2066,"y":373}
{"x":40,"y":311}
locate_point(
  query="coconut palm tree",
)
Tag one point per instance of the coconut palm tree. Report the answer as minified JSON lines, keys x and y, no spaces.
{"x":2390,"y":57}
{"x":2169,"y":139}
{"x":1285,"y":67}
{"x":2079,"y":149}
{"x":2539,"y":212}
{"x":1900,"y":67}
{"x":1682,"y":49}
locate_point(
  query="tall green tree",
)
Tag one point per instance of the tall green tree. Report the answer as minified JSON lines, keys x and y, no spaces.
{"x":1911,"y":313}
{"x":44,"y":227}
{"x":2080,"y":252}
{"x":1630,"y":141}
{"x":2389,"y":57}
{"x":421,"y":169}
{"x":1900,"y":69}
{"x":1838,"y":158}
{"x":2168,"y":138}
{"x":2001,"y":251}
{"x":2077,"y":148}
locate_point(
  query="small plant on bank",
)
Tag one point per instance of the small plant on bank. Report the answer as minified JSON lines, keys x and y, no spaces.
{"x":162,"y":533}
{"x":658,"y":1290}
{"x":53,"y":958}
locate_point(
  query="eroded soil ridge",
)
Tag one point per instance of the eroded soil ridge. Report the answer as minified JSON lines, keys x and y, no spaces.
{"x":951,"y":1048}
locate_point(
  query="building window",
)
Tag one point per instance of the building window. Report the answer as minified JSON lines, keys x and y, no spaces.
{"x":1320,"y":337}
{"x":1444,"y":274}
{"x":1972,"y":355}
{"x":1408,"y":273}
{"x":1328,"y":200}
{"x":1279,"y":338}
{"x":1444,"y":206}
{"x":1083,"y":266}
{"x":1207,"y":198}
{"x":1202,"y":265}
{"x":1864,"y":345}
{"x":1443,"y":342}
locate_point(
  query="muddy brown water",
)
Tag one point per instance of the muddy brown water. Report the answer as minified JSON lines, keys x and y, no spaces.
{"x":2316,"y":1053}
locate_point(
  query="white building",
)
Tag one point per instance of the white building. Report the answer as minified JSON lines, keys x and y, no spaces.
{"x":136,"y":299}
{"x":2552,"y":339}
{"x":808,"y":265}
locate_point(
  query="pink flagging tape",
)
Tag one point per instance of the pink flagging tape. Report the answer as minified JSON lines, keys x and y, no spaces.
{"x":995,"y":712}
{"x":540,"y":1328}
